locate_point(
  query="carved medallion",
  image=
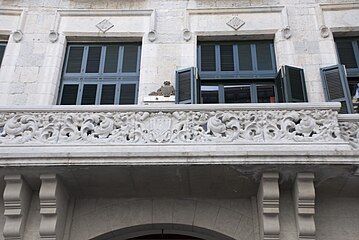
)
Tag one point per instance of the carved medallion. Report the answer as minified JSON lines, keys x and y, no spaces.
{"x":104,"y":25}
{"x":160,"y":128}
{"x":235,"y":23}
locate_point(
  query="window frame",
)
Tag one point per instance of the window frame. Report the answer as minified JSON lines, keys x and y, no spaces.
{"x":351,"y":72}
{"x":2,"y":57}
{"x":118,"y":78}
{"x":236,"y":73}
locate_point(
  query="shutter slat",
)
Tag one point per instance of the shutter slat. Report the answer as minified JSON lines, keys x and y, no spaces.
{"x":93,"y":60}
{"x":208,"y":58}
{"x":336,"y":87}
{"x":227,"y":61}
{"x":129,"y":63}
{"x":74,"y":62}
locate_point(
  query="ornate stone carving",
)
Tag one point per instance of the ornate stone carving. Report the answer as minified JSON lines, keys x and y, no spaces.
{"x":349,"y":131}
{"x":287,"y":32}
{"x":166,"y":90}
{"x":324,"y":31}
{"x":53,"y":207}
{"x":235,"y":23}
{"x":268,"y":206}
{"x":104,"y":25}
{"x":248,"y":126}
{"x":17,"y":199}
{"x":304,"y":200}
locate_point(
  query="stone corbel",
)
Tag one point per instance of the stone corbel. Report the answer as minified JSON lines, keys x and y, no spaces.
{"x":17,"y":35}
{"x":187,"y":35}
{"x":152,"y":34}
{"x":17,"y":199}
{"x":53,"y":207}
{"x":268,"y":206}
{"x":304,"y":200}
{"x":286,"y":31}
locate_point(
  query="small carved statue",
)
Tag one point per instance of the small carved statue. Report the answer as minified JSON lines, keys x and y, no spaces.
{"x":166,"y":90}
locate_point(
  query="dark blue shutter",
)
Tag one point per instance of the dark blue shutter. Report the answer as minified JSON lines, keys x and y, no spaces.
{"x":290,"y":85}
{"x":279,"y":87}
{"x":187,"y":86}
{"x":294,"y":84}
{"x":336,"y":87}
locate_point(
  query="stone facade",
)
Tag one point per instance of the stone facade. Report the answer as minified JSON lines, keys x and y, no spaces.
{"x":243,"y":171}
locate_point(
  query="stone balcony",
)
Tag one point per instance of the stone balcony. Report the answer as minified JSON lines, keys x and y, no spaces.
{"x":179,"y":133}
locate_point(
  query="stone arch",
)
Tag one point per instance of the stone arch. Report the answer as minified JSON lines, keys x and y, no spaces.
{"x":233,"y":218}
{"x":149,"y":229}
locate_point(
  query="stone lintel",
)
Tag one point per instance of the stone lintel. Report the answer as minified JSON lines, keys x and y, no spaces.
{"x":17,"y":199}
{"x":304,"y":200}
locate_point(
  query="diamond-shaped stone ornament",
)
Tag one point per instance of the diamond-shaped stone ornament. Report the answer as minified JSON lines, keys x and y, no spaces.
{"x":104,"y":25}
{"x":235,"y":23}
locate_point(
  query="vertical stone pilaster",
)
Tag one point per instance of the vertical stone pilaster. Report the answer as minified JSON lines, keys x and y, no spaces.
{"x":53,"y":207}
{"x":268,"y":206}
{"x":17,"y":198}
{"x":304,"y":200}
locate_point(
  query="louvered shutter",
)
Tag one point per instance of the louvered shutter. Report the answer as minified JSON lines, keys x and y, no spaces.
{"x":294,"y":84}
{"x":279,"y":87}
{"x":187,"y":87}
{"x":336,"y":87}
{"x":2,"y":51}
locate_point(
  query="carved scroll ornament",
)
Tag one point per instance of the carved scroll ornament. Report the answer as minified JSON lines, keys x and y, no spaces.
{"x":169,"y":127}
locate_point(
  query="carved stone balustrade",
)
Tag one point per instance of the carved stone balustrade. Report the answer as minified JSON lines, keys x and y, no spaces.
{"x":177,"y":130}
{"x":349,"y":129}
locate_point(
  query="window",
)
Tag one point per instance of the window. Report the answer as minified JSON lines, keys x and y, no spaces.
{"x":100,"y":74}
{"x":341,"y":82}
{"x":2,"y":51}
{"x":239,"y":72}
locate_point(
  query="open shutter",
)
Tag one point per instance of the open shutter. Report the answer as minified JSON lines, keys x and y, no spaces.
{"x":336,"y":87}
{"x":294,"y":84}
{"x":187,"y":87}
{"x":290,"y":85}
{"x":280,"y":96}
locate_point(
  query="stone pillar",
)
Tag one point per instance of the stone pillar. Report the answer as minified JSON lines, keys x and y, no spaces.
{"x":17,"y":198}
{"x":268,"y":206}
{"x":304,"y":200}
{"x":53,"y":207}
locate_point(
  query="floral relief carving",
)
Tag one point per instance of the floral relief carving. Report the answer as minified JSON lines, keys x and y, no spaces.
{"x":178,"y":126}
{"x":350,"y":132}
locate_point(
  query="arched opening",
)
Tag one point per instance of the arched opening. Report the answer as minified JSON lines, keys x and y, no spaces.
{"x":163,"y":232}
{"x":165,"y":237}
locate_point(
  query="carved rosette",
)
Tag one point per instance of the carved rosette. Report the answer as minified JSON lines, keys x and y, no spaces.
{"x":250,"y":126}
